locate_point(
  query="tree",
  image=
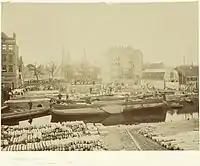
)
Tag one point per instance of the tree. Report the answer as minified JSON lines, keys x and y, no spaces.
{"x":37,"y":70}
{"x":51,"y":68}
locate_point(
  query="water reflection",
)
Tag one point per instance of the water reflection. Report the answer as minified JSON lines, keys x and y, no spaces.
{"x":171,"y":115}
{"x":175,"y":115}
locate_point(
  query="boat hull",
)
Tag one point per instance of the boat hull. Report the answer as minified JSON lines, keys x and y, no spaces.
{"x":8,"y":118}
{"x":102,"y":103}
{"x":88,"y":115}
{"x":4,"y":109}
{"x":145,"y":114}
{"x":188,"y":108}
{"x":72,"y":106}
{"x":23,"y":104}
{"x":146,"y":108}
{"x":113,"y":114}
{"x":185,"y":106}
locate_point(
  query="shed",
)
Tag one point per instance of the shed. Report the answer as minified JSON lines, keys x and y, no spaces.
{"x":161,"y":78}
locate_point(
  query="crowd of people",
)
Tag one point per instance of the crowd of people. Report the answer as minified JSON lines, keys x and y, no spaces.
{"x":73,"y":88}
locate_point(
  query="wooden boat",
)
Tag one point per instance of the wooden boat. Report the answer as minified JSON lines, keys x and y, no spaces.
{"x":23,"y":104}
{"x":42,"y":92}
{"x":153,"y":112}
{"x":32,"y":97}
{"x":68,"y":101}
{"x":4,"y":109}
{"x":189,"y":106}
{"x":122,"y":97}
{"x":120,"y":102}
{"x":24,"y":114}
{"x":144,"y":101}
{"x":72,"y":106}
{"x":189,"y":103}
{"x":145,"y":108}
{"x":175,"y":106}
{"x":110,"y":109}
{"x":108,"y":98}
{"x":80,"y":111}
{"x":112,"y":114}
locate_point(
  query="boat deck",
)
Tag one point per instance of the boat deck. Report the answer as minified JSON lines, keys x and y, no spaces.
{"x":79,"y":111}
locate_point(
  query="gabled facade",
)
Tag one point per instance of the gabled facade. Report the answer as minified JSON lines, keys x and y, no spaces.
{"x":189,"y":75}
{"x":161,"y":78}
{"x":11,"y":63}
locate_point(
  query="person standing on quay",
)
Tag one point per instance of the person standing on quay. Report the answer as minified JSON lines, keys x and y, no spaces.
{"x":67,"y":96}
{"x":59,"y":96}
{"x":30,"y":104}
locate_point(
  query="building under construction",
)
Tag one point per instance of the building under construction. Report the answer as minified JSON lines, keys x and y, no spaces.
{"x":124,"y":64}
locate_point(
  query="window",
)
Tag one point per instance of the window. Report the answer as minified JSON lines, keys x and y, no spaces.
{"x":10,"y":68}
{"x":20,"y":68}
{"x":4,"y":57}
{"x":10,"y":47}
{"x":4,"y":68}
{"x":193,"y":78}
{"x":4,"y":47}
{"x":10,"y":57}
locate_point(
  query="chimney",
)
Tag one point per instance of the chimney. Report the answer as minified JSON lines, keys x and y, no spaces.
{"x":14,"y":35}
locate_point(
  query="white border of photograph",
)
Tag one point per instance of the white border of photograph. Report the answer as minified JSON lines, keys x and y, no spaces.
{"x":100,"y":158}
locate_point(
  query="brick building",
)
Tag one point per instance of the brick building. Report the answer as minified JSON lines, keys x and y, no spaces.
{"x":189,"y":75}
{"x":11,"y":62}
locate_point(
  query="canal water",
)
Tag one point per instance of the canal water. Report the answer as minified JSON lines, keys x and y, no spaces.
{"x":171,"y":115}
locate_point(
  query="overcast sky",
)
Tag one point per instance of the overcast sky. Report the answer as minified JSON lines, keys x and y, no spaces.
{"x":162,"y":31}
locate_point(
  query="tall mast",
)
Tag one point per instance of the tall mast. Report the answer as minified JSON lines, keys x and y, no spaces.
{"x":84,"y":56}
{"x":85,"y":60}
{"x":68,"y":58}
{"x":62,"y":62}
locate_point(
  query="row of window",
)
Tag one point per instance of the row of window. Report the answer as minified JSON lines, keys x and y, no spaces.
{"x":7,"y":68}
{"x":8,"y":57}
{"x":192,"y":79}
{"x":5,"y":47}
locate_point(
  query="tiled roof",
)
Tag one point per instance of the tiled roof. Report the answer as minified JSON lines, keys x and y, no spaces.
{"x":154,"y":70}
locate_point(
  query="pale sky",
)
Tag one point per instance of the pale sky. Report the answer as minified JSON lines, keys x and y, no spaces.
{"x":162,"y":31}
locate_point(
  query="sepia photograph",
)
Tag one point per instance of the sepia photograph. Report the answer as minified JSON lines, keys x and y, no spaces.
{"x":99,"y":76}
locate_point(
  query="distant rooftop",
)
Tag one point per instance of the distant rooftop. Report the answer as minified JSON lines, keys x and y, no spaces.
{"x":156,"y":65}
{"x":154,"y":70}
{"x":189,"y":70}
{"x":5,"y":36}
